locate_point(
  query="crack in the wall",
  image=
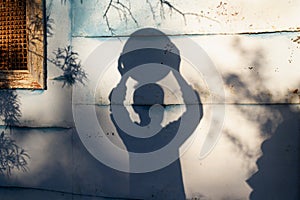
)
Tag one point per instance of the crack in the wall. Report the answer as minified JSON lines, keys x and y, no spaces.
{"x":280,"y":31}
{"x":56,"y":128}
{"x":60,"y":192}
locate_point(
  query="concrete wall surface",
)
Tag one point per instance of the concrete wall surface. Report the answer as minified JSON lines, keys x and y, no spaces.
{"x":231,"y":107}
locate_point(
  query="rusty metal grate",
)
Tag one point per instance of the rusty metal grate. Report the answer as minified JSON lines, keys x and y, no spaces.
{"x":13,"y":40}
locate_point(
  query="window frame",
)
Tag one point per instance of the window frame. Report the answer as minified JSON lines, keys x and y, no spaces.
{"x":35,"y":75}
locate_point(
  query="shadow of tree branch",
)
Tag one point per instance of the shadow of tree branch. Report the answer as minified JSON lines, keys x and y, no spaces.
{"x":68,"y":61}
{"x":11,"y":155}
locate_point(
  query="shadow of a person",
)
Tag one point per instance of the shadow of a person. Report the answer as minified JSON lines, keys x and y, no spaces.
{"x":278,"y":175}
{"x":144,"y":97}
{"x":165,"y":182}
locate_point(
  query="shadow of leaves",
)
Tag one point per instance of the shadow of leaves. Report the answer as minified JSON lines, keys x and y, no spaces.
{"x":11,"y":155}
{"x":9,"y":108}
{"x":68,"y":61}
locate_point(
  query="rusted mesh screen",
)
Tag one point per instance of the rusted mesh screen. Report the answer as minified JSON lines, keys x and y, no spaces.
{"x":13,"y":42}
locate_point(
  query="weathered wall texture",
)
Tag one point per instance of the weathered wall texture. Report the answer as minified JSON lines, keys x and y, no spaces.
{"x":254,"y":47}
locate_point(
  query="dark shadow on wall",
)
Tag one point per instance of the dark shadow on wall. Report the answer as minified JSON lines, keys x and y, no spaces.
{"x":278,"y":175}
{"x":9,"y":107}
{"x":165,"y":182}
{"x":49,"y":20}
{"x":67,"y":60}
{"x":11,"y":155}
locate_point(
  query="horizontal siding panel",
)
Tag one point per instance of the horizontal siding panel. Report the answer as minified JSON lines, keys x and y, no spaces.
{"x":59,"y":161}
{"x":254,"y":69}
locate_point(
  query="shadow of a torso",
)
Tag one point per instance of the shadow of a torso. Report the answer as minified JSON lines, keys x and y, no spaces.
{"x":165,"y":183}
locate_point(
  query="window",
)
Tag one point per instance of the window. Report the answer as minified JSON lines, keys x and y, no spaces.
{"x":22,"y":44}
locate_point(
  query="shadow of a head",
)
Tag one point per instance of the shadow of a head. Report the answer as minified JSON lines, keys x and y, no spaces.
{"x":148,"y":46}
